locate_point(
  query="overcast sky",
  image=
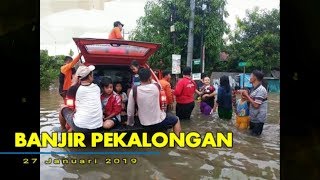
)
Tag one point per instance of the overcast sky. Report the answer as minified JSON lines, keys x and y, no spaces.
{"x":57,"y":30}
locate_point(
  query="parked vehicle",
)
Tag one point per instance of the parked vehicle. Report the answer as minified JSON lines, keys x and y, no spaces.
{"x":112,"y":59}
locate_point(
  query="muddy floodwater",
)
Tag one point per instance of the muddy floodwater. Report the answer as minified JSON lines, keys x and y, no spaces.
{"x":250,"y":157}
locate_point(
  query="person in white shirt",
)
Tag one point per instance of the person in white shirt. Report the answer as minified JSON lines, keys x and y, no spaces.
{"x":148,"y":104}
{"x":87,"y":114}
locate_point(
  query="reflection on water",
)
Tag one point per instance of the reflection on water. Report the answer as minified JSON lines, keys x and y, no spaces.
{"x":250,"y":157}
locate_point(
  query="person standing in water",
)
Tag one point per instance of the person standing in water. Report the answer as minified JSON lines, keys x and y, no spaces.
{"x":66,"y":74}
{"x":257,"y":97}
{"x":165,"y":83}
{"x":207,"y":93}
{"x":184,"y":93}
{"x":224,"y":100}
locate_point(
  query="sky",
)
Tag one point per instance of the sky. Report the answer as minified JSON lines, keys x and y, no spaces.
{"x":57,"y":29}
{"x":238,"y":8}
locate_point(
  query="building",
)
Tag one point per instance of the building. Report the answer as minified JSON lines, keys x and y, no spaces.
{"x":53,"y":6}
{"x":272,"y":83}
{"x":215,"y":78}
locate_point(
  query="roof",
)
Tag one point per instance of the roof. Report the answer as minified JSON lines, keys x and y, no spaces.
{"x":115,"y":51}
{"x":275,"y":74}
{"x":217,"y":75}
{"x":271,"y":78}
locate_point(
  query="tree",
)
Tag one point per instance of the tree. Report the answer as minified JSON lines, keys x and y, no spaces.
{"x":49,"y":68}
{"x":71,"y":53}
{"x":256,"y":40}
{"x":155,"y":27}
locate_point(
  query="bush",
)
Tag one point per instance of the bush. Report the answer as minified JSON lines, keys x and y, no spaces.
{"x":49,"y":68}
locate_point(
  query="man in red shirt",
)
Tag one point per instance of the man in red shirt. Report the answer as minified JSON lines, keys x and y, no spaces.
{"x":184,"y":93}
{"x":116,"y":31}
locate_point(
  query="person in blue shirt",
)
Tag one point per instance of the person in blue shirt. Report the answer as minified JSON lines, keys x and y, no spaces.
{"x":224,"y":100}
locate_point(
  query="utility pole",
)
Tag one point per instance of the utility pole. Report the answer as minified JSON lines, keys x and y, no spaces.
{"x":172,"y":27}
{"x":202,"y":50}
{"x":244,"y":75}
{"x":124,"y":33}
{"x":172,"y":30}
{"x":190,"y":36}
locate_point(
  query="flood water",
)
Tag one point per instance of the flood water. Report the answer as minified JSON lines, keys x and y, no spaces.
{"x":250,"y":157}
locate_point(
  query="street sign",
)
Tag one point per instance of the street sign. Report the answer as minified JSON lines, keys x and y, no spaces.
{"x":176,"y":62}
{"x":196,"y":66}
{"x":196,"y":61}
{"x":242,"y":64}
{"x":196,"y":76}
{"x":172,"y":28}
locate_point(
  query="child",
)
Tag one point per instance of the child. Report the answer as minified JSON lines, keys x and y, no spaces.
{"x":234,"y":97}
{"x":135,"y":80}
{"x":124,"y":98}
{"x":242,"y":113}
{"x":111,"y":104}
{"x":207,"y":93}
{"x":135,"y":69}
{"x":199,"y":85}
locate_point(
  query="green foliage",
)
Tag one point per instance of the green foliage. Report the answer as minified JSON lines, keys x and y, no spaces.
{"x":257,"y":40}
{"x":71,"y":53}
{"x":49,"y":68}
{"x":155,"y":27}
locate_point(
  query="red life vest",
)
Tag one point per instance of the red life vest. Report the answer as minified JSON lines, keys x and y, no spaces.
{"x":113,"y":105}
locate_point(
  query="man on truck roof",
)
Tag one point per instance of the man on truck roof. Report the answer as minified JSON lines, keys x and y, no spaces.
{"x":116,"y":31}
